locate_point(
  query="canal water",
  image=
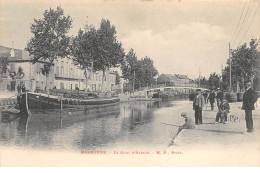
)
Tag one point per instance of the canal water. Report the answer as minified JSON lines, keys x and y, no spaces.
{"x":134,"y":125}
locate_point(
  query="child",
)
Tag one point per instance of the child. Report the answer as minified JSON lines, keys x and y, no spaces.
{"x":189,"y":124}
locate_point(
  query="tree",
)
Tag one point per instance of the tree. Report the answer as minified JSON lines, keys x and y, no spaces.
{"x":117,"y":78}
{"x":50,"y":39}
{"x":146,"y":72}
{"x":139,"y":72}
{"x":245,"y":64}
{"x":45,"y":71}
{"x":129,"y":66}
{"x":101,"y":51}
{"x":214,"y":81}
{"x":83,"y":48}
{"x":3,"y":65}
{"x":17,"y":75}
{"x":109,"y":50}
{"x":202,"y":81}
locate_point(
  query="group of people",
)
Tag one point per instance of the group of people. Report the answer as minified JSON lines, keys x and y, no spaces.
{"x":249,"y":99}
{"x":212,"y":96}
{"x":21,"y":89}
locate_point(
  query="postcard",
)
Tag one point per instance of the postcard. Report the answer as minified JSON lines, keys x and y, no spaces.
{"x":121,"y":83}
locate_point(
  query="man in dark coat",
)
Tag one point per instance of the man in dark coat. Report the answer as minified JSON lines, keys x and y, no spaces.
{"x":23,"y":89}
{"x":198,"y":104}
{"x":249,"y":99}
{"x":212,"y":99}
{"x":219,"y":96}
{"x":224,"y":109}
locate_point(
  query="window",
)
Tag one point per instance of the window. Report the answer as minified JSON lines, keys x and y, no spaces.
{"x":57,"y":70}
{"x":62,"y":85}
{"x":72,"y":72}
{"x":94,"y":87}
{"x":62,"y":71}
{"x":62,"y":68}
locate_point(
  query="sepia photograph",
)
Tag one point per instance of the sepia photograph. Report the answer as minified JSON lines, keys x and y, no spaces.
{"x":127,"y":83}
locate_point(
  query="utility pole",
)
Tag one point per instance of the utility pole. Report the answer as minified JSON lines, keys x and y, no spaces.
{"x":199,"y":77}
{"x":134,"y":83}
{"x":221,"y":78}
{"x":230,"y":81}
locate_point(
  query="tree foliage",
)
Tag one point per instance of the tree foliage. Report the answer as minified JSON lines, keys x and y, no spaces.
{"x":245,"y":65}
{"x":214,"y":81}
{"x":117,"y":78}
{"x":109,"y":50}
{"x":19,"y":74}
{"x":50,"y":39}
{"x":84,"y":47}
{"x":99,"y":49}
{"x":146,"y":72}
{"x":45,"y":69}
{"x":140,"y":72}
{"x":203,"y":81}
{"x":129,"y":66}
{"x":3,"y":65}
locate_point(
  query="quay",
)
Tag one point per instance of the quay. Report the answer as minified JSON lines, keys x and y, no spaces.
{"x":7,"y":98}
{"x":210,"y":134}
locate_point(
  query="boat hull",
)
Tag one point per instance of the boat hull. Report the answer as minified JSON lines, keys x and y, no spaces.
{"x":38,"y":101}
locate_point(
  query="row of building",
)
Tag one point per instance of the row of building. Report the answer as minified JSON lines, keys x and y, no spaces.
{"x":63,"y":74}
{"x":175,"y":80}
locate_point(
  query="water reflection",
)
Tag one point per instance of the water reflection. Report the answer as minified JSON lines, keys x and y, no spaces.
{"x":133,"y":123}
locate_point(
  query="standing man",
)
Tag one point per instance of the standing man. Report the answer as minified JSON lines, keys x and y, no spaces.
{"x":219,"y":96}
{"x":23,"y":89}
{"x":212,"y":99}
{"x":249,"y":99}
{"x":198,"y":104}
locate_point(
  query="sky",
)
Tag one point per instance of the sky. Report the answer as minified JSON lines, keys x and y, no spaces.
{"x":181,"y":36}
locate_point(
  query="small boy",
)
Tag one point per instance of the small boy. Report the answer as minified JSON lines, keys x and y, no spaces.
{"x":188,"y":122}
{"x":223,"y":111}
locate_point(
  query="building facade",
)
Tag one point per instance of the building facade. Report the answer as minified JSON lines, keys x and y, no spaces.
{"x":32,"y":77}
{"x":63,"y":74}
{"x":175,"y":80}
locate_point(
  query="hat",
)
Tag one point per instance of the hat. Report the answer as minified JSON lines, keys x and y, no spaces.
{"x":184,"y":114}
{"x":218,"y":88}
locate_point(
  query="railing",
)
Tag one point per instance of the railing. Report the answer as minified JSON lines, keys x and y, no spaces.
{"x":8,"y":101}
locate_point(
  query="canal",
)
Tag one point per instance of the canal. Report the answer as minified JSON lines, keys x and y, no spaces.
{"x":135,"y":125}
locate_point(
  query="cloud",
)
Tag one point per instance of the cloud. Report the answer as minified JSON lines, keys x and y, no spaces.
{"x":184,"y":50}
